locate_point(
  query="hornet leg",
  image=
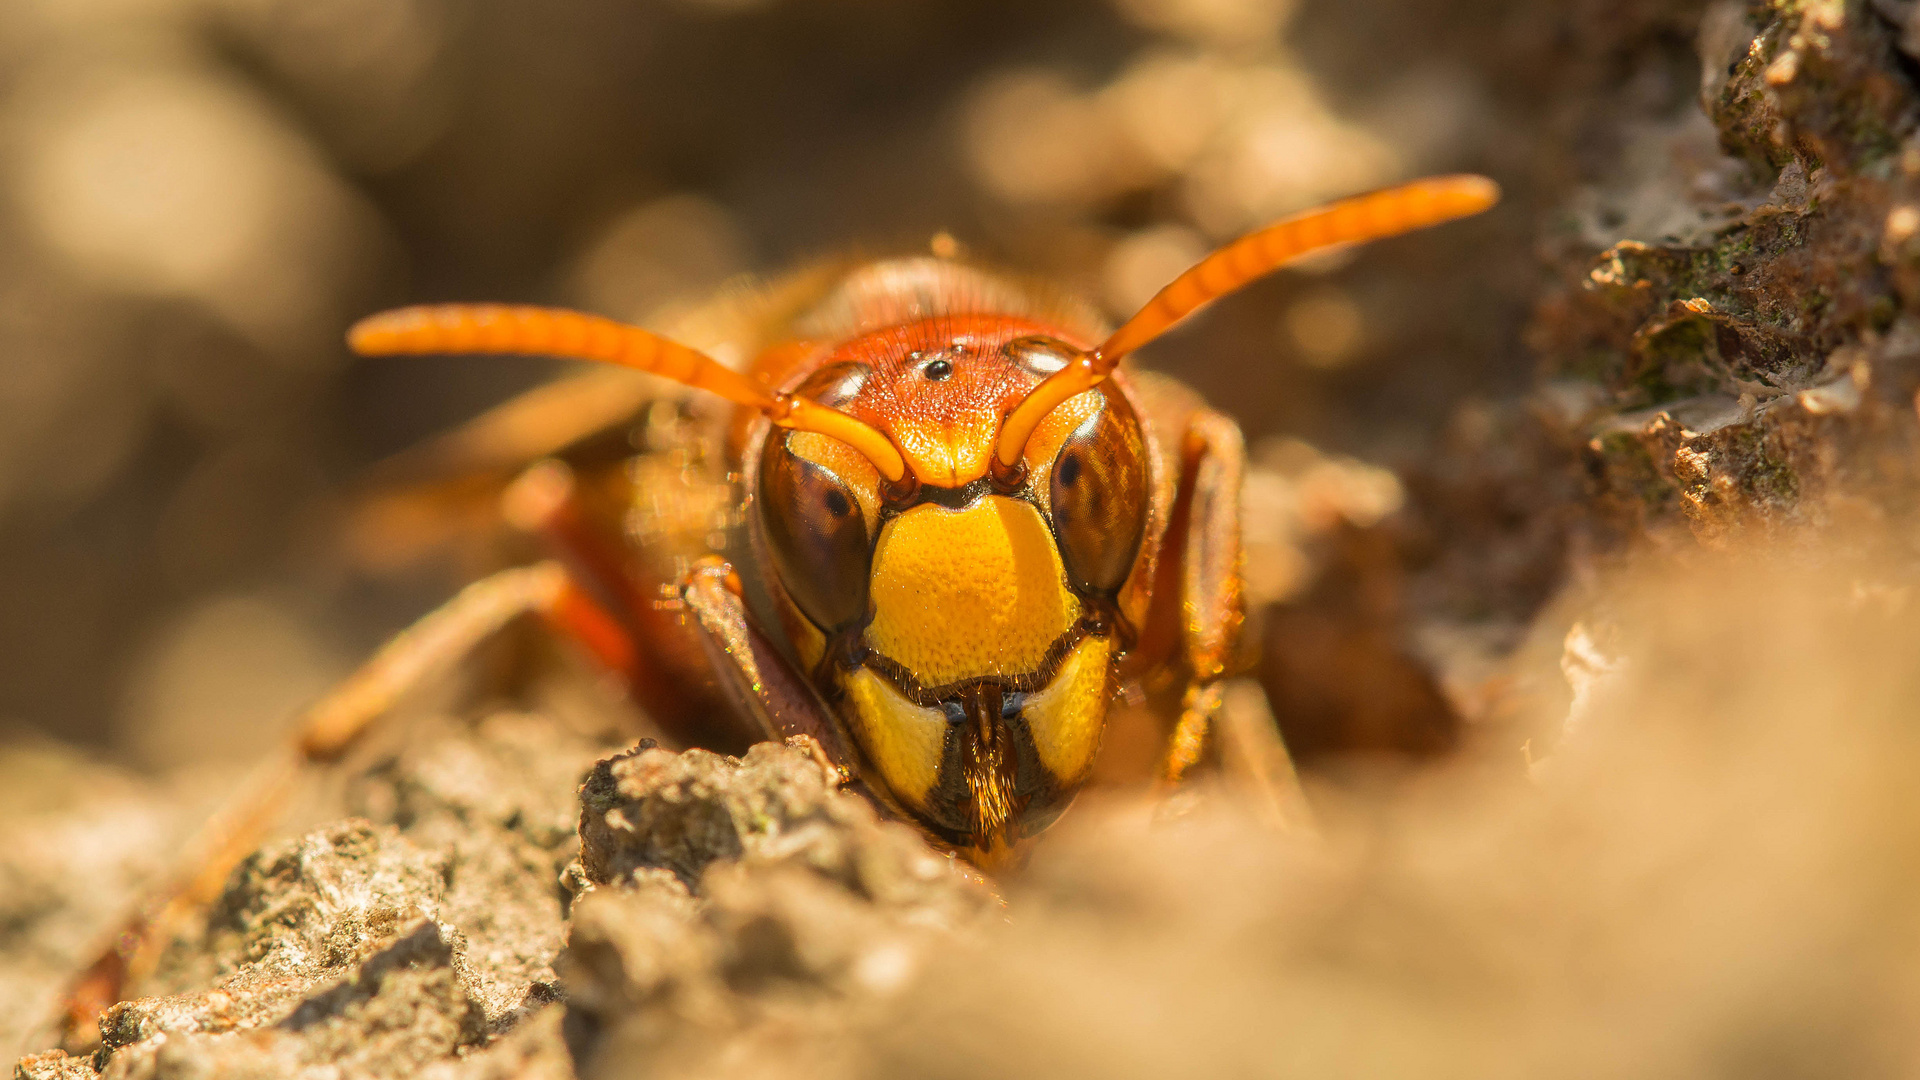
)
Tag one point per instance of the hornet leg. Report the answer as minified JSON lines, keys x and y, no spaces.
{"x":1211,"y":612}
{"x":753,"y":674}
{"x":1229,"y":717}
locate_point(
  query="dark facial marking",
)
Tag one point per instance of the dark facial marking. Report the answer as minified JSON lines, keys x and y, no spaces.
{"x":988,"y":732}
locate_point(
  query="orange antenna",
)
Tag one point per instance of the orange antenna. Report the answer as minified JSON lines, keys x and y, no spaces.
{"x":573,"y":335}
{"x":1350,"y":221}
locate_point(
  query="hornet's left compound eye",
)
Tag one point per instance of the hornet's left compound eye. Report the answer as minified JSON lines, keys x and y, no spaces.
{"x":817,"y":535}
{"x":1098,"y":490}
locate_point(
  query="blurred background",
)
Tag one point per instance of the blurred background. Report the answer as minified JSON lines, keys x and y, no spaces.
{"x":197,"y":196}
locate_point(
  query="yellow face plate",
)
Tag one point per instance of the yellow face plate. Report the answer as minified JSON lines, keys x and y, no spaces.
{"x":961,"y":594}
{"x":1067,"y":717}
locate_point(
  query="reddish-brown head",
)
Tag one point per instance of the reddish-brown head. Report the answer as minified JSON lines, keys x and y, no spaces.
{"x":964,"y":619}
{"x":939,"y":387}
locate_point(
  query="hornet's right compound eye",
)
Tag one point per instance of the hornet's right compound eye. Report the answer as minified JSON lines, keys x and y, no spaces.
{"x":1098,"y":492}
{"x":817,"y":535}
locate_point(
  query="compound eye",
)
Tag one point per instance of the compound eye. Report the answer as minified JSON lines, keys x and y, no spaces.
{"x":817,"y":536}
{"x":1099,"y":497}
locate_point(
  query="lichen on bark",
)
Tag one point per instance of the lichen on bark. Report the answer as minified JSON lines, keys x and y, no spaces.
{"x":1756,"y":372}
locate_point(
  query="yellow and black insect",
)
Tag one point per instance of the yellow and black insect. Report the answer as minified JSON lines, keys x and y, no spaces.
{"x":968,"y":528}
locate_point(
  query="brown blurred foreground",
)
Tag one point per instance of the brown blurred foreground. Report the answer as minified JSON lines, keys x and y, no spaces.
{"x":1710,"y":875}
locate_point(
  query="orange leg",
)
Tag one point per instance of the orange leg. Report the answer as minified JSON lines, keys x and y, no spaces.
{"x":757,"y":680}
{"x":670,"y":676}
{"x":323,"y":733}
{"x":1211,"y":613}
{"x":1223,"y":717}
{"x":544,"y":500}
